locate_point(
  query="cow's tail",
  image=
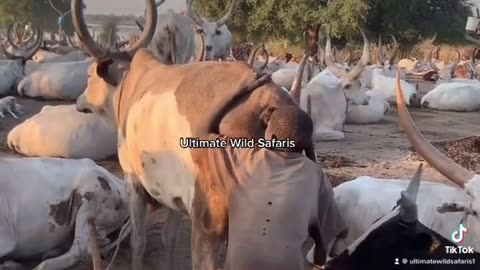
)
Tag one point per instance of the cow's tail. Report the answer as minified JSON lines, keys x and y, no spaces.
{"x":122,"y":235}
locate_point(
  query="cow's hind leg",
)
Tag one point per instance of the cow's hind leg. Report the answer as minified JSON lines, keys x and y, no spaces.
{"x":204,"y":245}
{"x":170,"y":235}
{"x":79,"y":248}
{"x":138,"y":215}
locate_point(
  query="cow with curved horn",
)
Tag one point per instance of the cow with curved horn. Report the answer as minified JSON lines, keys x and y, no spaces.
{"x":252,"y":58}
{"x":390,"y":63}
{"x":12,"y":73}
{"x":332,"y":92}
{"x":217,"y":36}
{"x":399,"y":230}
{"x":467,"y":180}
{"x":440,"y":207}
{"x":445,"y":73}
{"x":140,"y":96}
{"x":385,"y":67}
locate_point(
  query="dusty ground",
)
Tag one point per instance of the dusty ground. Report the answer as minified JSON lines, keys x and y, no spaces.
{"x":379,"y":150}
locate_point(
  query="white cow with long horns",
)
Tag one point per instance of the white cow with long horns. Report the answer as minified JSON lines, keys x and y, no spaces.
{"x":216,"y":34}
{"x":440,"y":207}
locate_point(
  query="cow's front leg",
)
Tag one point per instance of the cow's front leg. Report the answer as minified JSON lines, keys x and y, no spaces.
{"x":204,"y":245}
{"x":138,"y":215}
{"x":79,"y":248}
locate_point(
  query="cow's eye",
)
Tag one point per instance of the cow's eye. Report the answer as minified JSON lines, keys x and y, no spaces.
{"x":218,"y":32}
{"x":200,"y":31}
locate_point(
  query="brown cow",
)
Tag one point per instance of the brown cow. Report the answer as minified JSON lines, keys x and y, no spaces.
{"x":160,"y":109}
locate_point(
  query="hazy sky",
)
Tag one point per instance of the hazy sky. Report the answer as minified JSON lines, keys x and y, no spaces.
{"x":126,"y":7}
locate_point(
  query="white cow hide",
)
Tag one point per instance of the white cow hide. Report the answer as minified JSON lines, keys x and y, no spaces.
{"x":454,"y":96}
{"x":46,"y":204}
{"x":62,"y":131}
{"x":65,"y":81}
{"x":376,"y":109}
{"x":386,"y":86}
{"x":365,"y":199}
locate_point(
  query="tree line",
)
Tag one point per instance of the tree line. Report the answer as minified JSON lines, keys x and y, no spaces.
{"x":409,"y":20}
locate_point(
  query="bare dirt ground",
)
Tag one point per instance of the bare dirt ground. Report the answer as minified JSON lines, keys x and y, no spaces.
{"x":377,"y":150}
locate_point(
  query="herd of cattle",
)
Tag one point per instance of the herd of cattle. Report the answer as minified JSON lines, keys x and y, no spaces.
{"x":137,"y":99}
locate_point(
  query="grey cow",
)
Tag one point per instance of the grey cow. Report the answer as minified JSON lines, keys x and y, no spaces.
{"x":174,"y":39}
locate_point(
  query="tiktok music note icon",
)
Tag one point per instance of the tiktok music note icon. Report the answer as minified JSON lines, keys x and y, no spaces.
{"x":458,"y":236}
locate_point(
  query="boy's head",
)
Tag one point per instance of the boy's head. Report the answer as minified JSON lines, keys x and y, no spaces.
{"x":292,"y":123}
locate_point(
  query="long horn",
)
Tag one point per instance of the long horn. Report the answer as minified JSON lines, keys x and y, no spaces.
{"x":408,"y":200}
{"x":453,"y":67}
{"x":8,"y":54}
{"x":394,"y":54}
{"x":93,"y":48}
{"x":444,"y":165}
{"x":31,"y":52}
{"x":140,"y":26}
{"x":332,"y":66}
{"x":348,"y":58}
{"x":149,"y":28}
{"x":201,"y":56}
{"x":192,"y":14}
{"x":380,"y":56}
{"x":10,"y":37}
{"x":253,"y":54}
{"x":296,"y":89}
{"x":472,"y":63}
{"x":335,"y":53}
{"x":357,"y":71}
{"x":267,"y":57}
{"x":229,"y":14}
{"x":430,"y":61}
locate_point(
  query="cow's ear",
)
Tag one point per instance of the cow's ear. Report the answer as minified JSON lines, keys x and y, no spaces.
{"x":102,"y":67}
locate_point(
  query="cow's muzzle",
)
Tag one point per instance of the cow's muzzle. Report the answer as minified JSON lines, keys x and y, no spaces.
{"x":83,"y":110}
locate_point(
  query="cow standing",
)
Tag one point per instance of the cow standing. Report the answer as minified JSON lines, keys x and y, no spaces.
{"x":154,"y":105}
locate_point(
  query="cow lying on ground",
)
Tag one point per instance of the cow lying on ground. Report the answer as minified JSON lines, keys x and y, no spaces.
{"x":147,"y":100}
{"x":454,"y":96}
{"x":13,"y":71}
{"x":61,"y":131}
{"x":46,"y":205}
{"x":373,"y":112}
{"x":65,"y":81}
{"x":332,"y":91}
{"x":441,"y":208}
{"x":394,"y":234}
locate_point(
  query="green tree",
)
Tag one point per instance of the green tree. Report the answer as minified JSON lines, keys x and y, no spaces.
{"x":38,"y":12}
{"x":409,"y":20}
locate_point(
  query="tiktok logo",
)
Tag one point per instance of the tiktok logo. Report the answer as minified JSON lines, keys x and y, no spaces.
{"x":459,"y":236}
